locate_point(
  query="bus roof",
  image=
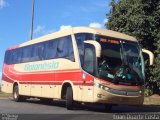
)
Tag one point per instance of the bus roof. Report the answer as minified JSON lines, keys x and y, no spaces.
{"x":104,"y":32}
{"x":73,"y":30}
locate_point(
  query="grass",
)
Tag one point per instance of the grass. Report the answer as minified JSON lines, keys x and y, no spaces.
{"x":151,"y":101}
{"x":4,"y":95}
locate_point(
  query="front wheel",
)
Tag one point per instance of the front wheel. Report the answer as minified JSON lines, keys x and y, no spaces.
{"x":16,"y":96}
{"x":69,"y":99}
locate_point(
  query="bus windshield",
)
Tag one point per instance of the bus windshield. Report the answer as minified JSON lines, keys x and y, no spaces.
{"x":121,"y":61}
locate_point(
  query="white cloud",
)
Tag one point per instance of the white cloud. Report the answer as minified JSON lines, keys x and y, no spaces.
{"x":62,"y":27}
{"x":105,"y":21}
{"x":3,"y":4}
{"x":41,"y":30}
{"x":95,"y":25}
{"x":98,"y":25}
{"x":45,"y":32}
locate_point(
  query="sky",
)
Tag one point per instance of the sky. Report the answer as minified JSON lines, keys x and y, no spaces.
{"x":50,"y":16}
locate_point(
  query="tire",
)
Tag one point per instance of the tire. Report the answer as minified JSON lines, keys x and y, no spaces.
{"x":16,"y":96}
{"x":108,"y":107}
{"x":69,"y":98}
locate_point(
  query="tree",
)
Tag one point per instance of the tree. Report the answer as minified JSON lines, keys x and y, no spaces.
{"x":141,"y":19}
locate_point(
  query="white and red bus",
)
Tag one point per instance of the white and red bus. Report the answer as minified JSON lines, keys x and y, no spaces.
{"x":79,"y":64}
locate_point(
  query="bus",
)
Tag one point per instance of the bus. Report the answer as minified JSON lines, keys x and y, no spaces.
{"x":78,"y":65}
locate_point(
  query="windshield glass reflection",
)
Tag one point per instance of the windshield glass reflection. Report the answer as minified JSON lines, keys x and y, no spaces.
{"x":121,"y":61}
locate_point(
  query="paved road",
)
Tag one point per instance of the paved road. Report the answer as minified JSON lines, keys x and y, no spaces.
{"x":57,"y":110}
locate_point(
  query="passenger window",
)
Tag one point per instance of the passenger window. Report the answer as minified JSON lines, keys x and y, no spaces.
{"x":19,"y":55}
{"x":26,"y":54}
{"x":6,"y":58}
{"x":13,"y":56}
{"x":38,"y":52}
{"x":62,"y":48}
{"x":89,"y":59}
{"x":34,"y":54}
{"x":57,"y":48}
{"x":65,"y":48}
{"x":51,"y":49}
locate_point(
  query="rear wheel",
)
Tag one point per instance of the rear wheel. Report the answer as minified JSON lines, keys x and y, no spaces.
{"x":16,"y":96}
{"x":69,"y":98}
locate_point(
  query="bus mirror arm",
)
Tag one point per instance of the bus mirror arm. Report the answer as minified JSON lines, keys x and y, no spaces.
{"x":151,"y":56}
{"x":96,"y":45}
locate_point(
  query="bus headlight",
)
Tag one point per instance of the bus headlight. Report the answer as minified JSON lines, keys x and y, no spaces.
{"x":101,"y":86}
{"x":97,"y":84}
{"x":105,"y":88}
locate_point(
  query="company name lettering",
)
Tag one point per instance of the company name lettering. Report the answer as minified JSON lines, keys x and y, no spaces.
{"x":44,"y":66}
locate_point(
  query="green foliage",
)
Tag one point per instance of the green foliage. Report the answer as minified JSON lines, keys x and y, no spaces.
{"x":148,"y":92}
{"x":141,"y":19}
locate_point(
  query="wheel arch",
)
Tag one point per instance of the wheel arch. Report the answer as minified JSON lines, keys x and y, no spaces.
{"x":14,"y":84}
{"x":64,"y":88}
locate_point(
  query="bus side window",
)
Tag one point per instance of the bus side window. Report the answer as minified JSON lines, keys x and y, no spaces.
{"x":40,"y":51}
{"x":50,"y":49}
{"x":70,"y":49}
{"x":65,"y":48}
{"x":37,"y":52}
{"x":26,"y":54}
{"x":6,"y":58}
{"x":19,"y":55}
{"x":61,"y":52}
{"x":13,"y":56}
{"x":89,"y":59}
{"x":34,"y":56}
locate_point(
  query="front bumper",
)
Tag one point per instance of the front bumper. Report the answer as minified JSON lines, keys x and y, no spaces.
{"x":107,"y":95}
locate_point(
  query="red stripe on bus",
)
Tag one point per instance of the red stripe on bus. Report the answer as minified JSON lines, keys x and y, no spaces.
{"x":60,"y":75}
{"x":72,"y":75}
{"x":41,"y":83}
{"x":55,"y":83}
{"x":45,"y":83}
{"x":5,"y":78}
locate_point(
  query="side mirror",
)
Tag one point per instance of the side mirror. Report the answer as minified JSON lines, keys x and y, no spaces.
{"x":96,"y":45}
{"x":148,"y":55}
